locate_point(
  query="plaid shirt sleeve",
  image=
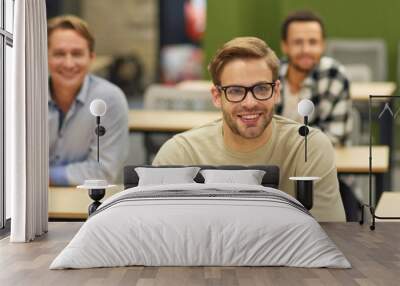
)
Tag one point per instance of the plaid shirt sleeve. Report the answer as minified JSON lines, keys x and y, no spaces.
{"x":330,"y":95}
{"x":332,"y":100}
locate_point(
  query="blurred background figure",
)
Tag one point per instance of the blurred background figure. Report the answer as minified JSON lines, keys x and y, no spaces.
{"x":306,"y":74}
{"x":72,"y":140}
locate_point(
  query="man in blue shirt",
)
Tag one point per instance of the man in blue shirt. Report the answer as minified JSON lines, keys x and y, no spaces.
{"x":72,"y":140}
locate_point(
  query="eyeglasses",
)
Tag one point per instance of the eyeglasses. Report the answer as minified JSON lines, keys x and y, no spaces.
{"x":237,"y":93}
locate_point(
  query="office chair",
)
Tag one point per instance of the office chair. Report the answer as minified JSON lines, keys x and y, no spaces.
{"x":366,"y":56}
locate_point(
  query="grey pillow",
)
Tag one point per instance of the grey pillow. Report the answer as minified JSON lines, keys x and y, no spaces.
{"x":163,"y":176}
{"x":249,"y":177}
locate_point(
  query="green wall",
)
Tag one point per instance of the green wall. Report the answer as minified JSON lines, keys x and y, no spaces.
{"x":227,"y":19}
{"x":343,"y":19}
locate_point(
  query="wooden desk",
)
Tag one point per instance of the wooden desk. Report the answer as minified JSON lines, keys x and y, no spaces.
{"x":360,"y":91}
{"x":349,"y":160}
{"x":73,"y":203}
{"x":69,"y":202}
{"x":172,"y":121}
{"x":355,"y":159}
{"x":388,"y":205}
{"x":352,"y":159}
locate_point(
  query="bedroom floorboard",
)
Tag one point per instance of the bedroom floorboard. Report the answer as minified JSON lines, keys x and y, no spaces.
{"x":374,"y":255}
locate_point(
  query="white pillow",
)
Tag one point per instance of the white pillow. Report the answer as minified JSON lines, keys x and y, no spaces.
{"x":249,"y":177}
{"x":164,"y":176}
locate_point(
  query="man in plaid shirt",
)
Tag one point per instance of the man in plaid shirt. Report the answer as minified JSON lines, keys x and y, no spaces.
{"x":306,"y":74}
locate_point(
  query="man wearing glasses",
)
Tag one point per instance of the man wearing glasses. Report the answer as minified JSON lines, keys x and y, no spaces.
{"x":246,"y":88}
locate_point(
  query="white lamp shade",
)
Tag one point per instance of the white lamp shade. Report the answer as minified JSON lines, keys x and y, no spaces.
{"x":305,"y":107}
{"x":98,"y":107}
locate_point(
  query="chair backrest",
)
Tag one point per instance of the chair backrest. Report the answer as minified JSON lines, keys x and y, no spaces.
{"x":364,"y":59}
{"x":359,"y":72}
{"x":270,"y":179}
{"x":168,"y":97}
{"x":204,"y":85}
{"x":355,"y":137}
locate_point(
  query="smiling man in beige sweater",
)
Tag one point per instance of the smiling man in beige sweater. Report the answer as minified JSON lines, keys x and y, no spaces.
{"x":246,"y":88}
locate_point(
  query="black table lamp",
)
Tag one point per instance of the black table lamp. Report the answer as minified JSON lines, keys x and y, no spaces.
{"x":96,"y":187}
{"x":305,"y":108}
{"x":304,"y":185}
{"x":98,"y":108}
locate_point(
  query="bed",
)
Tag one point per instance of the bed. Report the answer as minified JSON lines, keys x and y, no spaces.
{"x":163,"y":220}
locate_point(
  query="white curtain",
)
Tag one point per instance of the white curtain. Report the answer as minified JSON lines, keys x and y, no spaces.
{"x":26,"y":123}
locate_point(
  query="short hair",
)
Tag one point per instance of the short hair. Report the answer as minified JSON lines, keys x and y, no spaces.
{"x":71,"y":22}
{"x":242,"y":48}
{"x":300,"y":16}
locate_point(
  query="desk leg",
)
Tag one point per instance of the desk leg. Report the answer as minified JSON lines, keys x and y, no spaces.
{"x":96,"y":195}
{"x":147,"y":147}
{"x":379,"y":186}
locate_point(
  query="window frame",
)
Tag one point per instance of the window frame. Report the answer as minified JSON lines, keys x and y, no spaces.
{"x":6,"y":39}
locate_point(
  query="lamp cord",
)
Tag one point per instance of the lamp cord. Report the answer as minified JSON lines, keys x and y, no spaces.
{"x":98,"y":138}
{"x":305,"y":137}
{"x":98,"y":147}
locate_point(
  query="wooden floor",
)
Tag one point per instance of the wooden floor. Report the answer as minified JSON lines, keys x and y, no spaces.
{"x":374,"y":255}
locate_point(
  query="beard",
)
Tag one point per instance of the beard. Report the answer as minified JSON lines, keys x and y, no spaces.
{"x":251,"y":132}
{"x":300,"y":68}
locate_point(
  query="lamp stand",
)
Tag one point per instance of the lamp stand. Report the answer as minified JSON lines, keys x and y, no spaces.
{"x":96,"y":195}
{"x":303,"y":131}
{"x":304,"y":190}
{"x":100,"y":131}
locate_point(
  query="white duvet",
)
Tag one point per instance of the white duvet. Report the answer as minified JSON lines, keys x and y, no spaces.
{"x":184,"y":230}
